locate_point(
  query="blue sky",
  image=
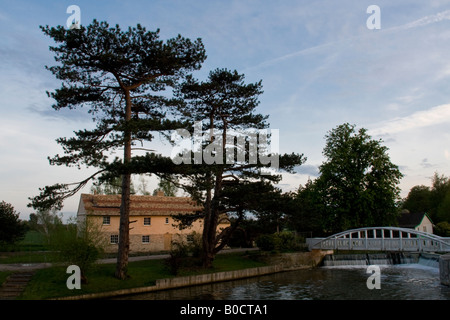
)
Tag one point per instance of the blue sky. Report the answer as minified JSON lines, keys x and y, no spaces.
{"x":319,"y":64}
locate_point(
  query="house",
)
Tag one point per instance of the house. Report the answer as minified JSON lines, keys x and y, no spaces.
{"x":418,"y":221}
{"x":152,"y":226}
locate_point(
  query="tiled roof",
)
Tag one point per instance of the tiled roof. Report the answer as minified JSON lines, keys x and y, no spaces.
{"x":410,"y":220}
{"x":98,"y":204}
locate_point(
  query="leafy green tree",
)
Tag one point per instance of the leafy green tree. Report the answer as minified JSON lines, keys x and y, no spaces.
{"x":305,"y":213}
{"x":443,"y":210}
{"x":418,"y":199}
{"x":45,"y":222}
{"x":11,"y":228}
{"x":440,"y":198}
{"x":225,"y":189}
{"x":358,"y":183}
{"x":121,"y":78}
{"x":442,"y":229}
{"x":168,"y":187}
{"x":434,"y":200}
{"x":272,"y":208}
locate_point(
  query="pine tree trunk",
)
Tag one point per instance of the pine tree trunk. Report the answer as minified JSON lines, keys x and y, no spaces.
{"x":124,"y":229}
{"x":210,"y":224}
{"x":206,"y":255}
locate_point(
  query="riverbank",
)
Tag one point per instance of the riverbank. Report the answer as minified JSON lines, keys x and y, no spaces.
{"x":148,"y":273}
{"x":50,"y":282}
{"x":276,"y":263}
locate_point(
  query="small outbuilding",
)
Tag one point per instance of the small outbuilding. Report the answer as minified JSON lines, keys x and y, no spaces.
{"x":418,"y":221}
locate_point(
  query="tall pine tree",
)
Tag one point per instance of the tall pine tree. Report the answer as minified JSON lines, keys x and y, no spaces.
{"x":224,"y":167}
{"x":121,"y":78}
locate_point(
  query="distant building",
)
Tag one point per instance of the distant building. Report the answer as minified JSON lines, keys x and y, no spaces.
{"x":152,"y":224}
{"x":417,"y":221}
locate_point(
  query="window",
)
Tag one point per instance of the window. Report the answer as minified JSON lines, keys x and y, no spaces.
{"x":114,"y":239}
{"x":106,"y":220}
{"x":145,"y":239}
{"x":167,"y":220}
{"x":147,"y":221}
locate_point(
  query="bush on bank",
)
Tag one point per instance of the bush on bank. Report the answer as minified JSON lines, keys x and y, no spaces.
{"x":280,"y":242}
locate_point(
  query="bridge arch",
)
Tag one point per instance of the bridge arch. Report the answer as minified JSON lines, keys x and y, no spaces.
{"x":382,"y":239}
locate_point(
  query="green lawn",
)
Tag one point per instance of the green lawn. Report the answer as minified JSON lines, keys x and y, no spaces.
{"x":51,"y":282}
{"x":28,"y":257}
{"x":33,"y":241}
{"x":3,"y":276}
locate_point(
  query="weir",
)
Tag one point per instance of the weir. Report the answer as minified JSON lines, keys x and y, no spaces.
{"x":388,"y":258}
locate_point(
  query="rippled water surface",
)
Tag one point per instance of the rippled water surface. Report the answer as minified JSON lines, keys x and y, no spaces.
{"x":398,"y":282}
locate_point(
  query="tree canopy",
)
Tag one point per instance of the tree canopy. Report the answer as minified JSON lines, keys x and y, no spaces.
{"x":224,"y":168}
{"x":357,"y":185}
{"x":434,"y":200}
{"x":120,"y":77}
{"x":11,"y":228}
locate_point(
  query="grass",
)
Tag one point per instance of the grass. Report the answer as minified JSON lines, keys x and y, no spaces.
{"x":28,"y":257}
{"x":32,"y":249}
{"x":51,"y":282}
{"x":33,"y":241}
{"x":3,"y":276}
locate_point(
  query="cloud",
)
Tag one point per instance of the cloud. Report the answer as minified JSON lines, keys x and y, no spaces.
{"x":434,"y":116}
{"x":426,"y":164}
{"x":309,"y":170}
{"x":311,"y":50}
{"x":427,"y":20}
{"x":75,"y":115}
{"x":434,"y":18}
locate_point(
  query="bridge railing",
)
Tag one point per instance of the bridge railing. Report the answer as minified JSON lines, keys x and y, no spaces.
{"x":383,"y":239}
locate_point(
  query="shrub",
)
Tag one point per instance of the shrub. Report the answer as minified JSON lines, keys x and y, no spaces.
{"x":282,"y":241}
{"x":268,"y":242}
{"x":195,"y":246}
{"x":11,"y":228}
{"x":443,"y":229}
{"x":184,"y":254}
{"x":179,"y":251}
{"x":79,"y":245}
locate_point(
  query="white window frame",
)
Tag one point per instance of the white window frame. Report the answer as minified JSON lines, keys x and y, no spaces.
{"x":167,"y":220}
{"x":149,"y":221}
{"x":106,"y":220}
{"x":145,"y":239}
{"x":114,"y":236}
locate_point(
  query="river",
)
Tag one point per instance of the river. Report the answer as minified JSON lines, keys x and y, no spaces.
{"x":397,"y":282}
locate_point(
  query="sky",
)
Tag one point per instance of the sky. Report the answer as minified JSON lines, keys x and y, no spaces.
{"x":319,"y":62}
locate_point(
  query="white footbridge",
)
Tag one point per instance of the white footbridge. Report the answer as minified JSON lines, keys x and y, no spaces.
{"x":382,"y":239}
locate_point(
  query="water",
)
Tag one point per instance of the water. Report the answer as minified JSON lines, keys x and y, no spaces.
{"x":366,"y":259}
{"x":398,"y":282}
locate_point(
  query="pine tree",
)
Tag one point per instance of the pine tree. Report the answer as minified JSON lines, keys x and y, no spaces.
{"x":226,"y":180}
{"x":121,"y":78}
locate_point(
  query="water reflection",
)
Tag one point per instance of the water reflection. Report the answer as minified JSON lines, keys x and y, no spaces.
{"x":398,"y":282}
